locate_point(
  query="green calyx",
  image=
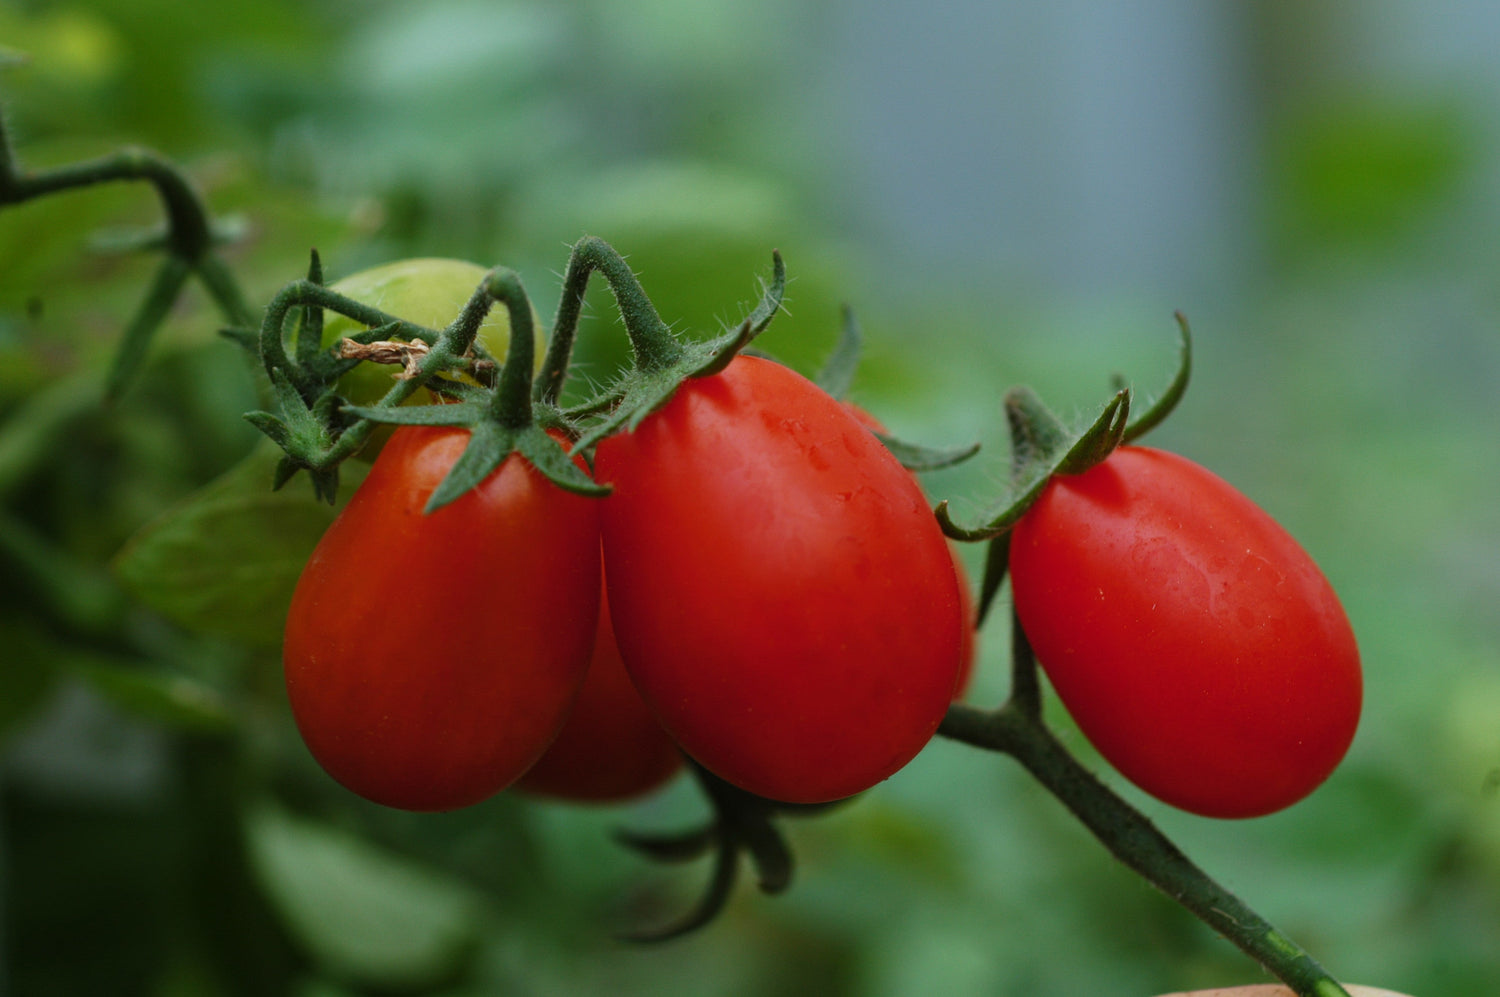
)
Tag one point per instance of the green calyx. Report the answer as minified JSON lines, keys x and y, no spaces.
{"x":742,"y":823}
{"x":318,"y":429}
{"x":661,"y":361}
{"x":1042,"y":446}
{"x":837,"y":378}
{"x":507,"y":421}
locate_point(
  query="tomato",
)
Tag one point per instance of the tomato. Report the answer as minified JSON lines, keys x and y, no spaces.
{"x":611,"y":748}
{"x":1197,"y":646}
{"x":782,"y":595}
{"x":428,"y":291}
{"x":969,"y":646}
{"x":431,"y":658}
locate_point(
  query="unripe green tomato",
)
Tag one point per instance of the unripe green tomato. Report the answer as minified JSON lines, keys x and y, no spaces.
{"x":428,"y":291}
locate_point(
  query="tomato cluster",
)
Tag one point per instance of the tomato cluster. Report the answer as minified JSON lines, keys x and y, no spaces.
{"x":766,"y":591}
{"x":779,"y":604}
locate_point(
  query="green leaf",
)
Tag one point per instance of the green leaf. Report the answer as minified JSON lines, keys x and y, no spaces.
{"x":225,"y":561}
{"x":171,"y":700}
{"x":28,"y":677}
{"x":363,"y":913}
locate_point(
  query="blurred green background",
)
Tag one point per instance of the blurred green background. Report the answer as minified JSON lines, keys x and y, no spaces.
{"x":1006,"y":193}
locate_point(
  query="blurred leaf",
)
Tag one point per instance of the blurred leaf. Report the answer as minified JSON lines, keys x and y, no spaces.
{"x":362,"y":912}
{"x":700,"y":237}
{"x":28,"y":676}
{"x":169,"y":699}
{"x":30,"y":433}
{"x":225,"y":562}
{"x":918,"y":845}
{"x":1365,"y":173}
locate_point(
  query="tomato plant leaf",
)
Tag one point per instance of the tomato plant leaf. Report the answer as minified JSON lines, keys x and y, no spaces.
{"x":28,"y":677}
{"x":364,"y":913}
{"x":225,"y":561}
{"x":170,"y":699}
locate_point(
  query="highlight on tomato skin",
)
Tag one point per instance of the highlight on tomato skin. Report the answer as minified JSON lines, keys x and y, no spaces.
{"x":430,"y":659}
{"x":781,"y":592}
{"x":1196,"y":644}
{"x":611,"y":748}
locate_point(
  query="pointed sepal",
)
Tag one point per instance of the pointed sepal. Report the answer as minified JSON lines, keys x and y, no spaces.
{"x":682,"y":847}
{"x":837,"y":375}
{"x":1040,"y":447}
{"x":1167,"y":401}
{"x":915,"y":457}
{"x":660,"y":370}
{"x":455,"y":414}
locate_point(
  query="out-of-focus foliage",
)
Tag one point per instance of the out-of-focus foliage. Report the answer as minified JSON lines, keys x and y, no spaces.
{"x":165,"y":833}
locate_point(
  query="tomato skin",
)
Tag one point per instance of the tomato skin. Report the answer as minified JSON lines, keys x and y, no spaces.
{"x":430,"y":659}
{"x":611,"y":747}
{"x":969,"y":646}
{"x":782,"y":595}
{"x":1196,"y":644}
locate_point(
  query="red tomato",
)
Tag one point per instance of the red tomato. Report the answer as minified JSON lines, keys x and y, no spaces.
{"x":611,"y":748}
{"x":782,"y":595}
{"x":430,"y":659}
{"x":1196,"y":644}
{"x":968,"y":648}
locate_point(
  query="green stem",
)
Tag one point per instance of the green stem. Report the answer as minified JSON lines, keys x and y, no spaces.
{"x":1135,"y":841}
{"x":511,"y":403}
{"x":299,"y":293}
{"x":650,"y":339}
{"x":225,"y":291}
{"x":188,"y":234}
{"x":168,"y":282}
{"x":1025,"y":685}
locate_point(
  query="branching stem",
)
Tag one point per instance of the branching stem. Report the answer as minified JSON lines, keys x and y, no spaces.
{"x":1016,"y":729}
